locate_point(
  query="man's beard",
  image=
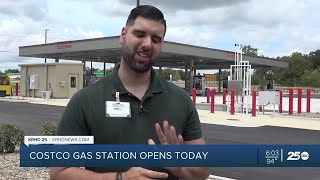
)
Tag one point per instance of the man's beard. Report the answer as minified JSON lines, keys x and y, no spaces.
{"x":132,"y":63}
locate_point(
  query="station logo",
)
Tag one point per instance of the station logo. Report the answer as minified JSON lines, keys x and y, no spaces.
{"x":64,"y":46}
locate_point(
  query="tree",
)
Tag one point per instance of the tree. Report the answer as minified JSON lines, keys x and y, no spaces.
{"x":182,"y":75}
{"x":176,"y":76}
{"x":298,"y":64}
{"x":224,"y":75}
{"x":88,"y":70}
{"x":248,"y":50}
{"x":165,"y":73}
{"x":257,"y":77}
{"x":262,"y":76}
{"x":12,"y":71}
{"x":282,"y":77}
{"x":311,"y":78}
{"x":259,"y":74}
{"x":314,"y":57}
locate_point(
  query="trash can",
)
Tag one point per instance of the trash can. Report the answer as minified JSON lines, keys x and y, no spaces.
{"x":5,"y":85}
{"x":206,"y":92}
{"x":2,"y":93}
{"x":46,"y":94}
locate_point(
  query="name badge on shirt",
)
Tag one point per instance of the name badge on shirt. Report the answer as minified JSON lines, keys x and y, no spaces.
{"x":118,"y":109}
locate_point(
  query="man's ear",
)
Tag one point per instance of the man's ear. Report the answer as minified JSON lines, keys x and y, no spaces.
{"x":123,"y":34}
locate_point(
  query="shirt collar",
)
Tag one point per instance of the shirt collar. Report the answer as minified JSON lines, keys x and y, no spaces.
{"x":155,"y":85}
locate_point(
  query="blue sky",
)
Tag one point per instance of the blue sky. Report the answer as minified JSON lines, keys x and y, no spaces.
{"x":276,"y":28}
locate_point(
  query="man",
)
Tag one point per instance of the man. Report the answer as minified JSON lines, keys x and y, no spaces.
{"x":160,"y":112}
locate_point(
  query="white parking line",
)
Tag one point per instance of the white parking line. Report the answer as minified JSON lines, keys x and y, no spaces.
{"x":213,"y":177}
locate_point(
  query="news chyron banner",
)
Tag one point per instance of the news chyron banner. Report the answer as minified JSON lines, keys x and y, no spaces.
{"x":81,"y":152}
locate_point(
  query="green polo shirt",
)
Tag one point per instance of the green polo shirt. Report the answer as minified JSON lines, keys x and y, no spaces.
{"x":85,"y":113}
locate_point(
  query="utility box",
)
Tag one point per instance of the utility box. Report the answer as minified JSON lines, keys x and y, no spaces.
{"x":269,"y":98}
{"x":27,"y":83}
{"x":34,"y":81}
{"x":236,"y":85}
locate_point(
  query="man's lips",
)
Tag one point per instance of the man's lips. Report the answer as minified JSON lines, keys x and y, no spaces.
{"x":143,"y":54}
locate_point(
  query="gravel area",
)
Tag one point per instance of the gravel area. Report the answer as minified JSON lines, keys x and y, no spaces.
{"x":307,"y":115}
{"x":10,"y":169}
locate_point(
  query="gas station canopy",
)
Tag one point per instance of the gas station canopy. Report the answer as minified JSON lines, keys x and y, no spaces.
{"x":174,"y":55}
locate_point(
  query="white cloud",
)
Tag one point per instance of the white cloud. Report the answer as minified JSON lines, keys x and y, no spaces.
{"x":68,"y":34}
{"x":182,"y":35}
{"x":114,"y":8}
{"x":276,"y":28}
{"x":33,"y":9}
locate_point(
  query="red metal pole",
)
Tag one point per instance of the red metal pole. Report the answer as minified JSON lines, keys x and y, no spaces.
{"x":280,"y":103}
{"x":17,"y":88}
{"x":212,"y":100}
{"x":290,"y":101}
{"x":194,"y":95}
{"x":254,"y":102}
{"x":208,"y":95}
{"x":224,"y":96}
{"x":242,"y":103}
{"x":299,"y":99}
{"x":232,"y":102}
{"x":308,"y":99}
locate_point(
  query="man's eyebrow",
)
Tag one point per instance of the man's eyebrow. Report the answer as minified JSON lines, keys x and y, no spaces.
{"x":143,"y":32}
{"x":158,"y":37}
{"x":138,"y":31}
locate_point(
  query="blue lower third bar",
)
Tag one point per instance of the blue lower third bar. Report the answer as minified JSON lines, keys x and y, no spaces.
{"x":170,"y":155}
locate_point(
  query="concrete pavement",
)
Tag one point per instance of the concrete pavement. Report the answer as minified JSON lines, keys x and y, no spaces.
{"x":54,"y":102}
{"x":219,"y":117}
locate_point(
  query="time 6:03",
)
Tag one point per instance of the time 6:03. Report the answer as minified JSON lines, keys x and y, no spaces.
{"x":272,"y":153}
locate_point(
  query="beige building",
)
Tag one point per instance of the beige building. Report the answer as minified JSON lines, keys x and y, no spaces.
{"x":55,"y":80}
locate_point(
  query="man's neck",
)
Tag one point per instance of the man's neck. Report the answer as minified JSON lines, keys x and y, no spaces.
{"x":136,"y":83}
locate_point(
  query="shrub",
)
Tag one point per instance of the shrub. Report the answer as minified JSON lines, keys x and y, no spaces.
{"x":49,"y":128}
{"x":10,"y":137}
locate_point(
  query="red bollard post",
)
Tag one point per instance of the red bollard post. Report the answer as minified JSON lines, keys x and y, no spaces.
{"x":224,"y":96}
{"x":254,"y":102}
{"x":194,"y":96}
{"x":212,"y":100}
{"x":290,"y":101}
{"x":208,"y":95}
{"x":17,"y":88}
{"x":299,"y":99}
{"x":280,"y":103}
{"x":232,"y":102}
{"x":242,"y":103}
{"x":308,"y":99}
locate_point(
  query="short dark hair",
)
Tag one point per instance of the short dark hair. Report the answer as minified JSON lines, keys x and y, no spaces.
{"x":148,"y":12}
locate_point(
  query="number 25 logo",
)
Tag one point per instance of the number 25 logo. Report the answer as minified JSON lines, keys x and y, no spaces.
{"x":295,"y":155}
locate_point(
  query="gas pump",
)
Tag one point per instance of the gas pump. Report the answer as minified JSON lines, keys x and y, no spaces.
{"x":199,"y":84}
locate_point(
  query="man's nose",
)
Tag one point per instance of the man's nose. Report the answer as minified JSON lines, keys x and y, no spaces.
{"x":147,"y":43}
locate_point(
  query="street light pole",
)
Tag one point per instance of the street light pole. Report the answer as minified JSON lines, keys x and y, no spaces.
{"x":45,"y":41}
{"x":138,"y":3}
